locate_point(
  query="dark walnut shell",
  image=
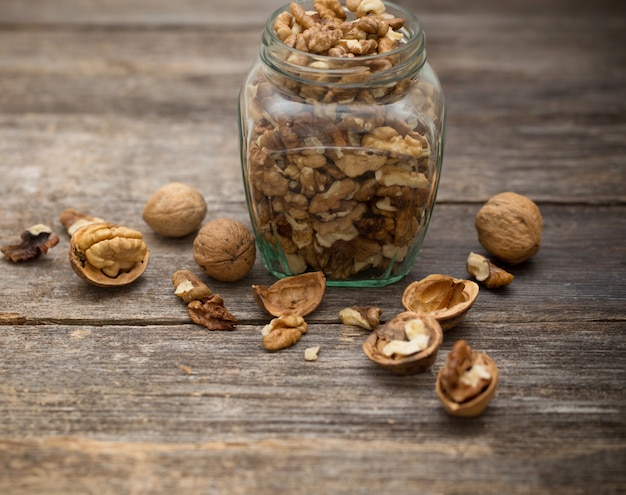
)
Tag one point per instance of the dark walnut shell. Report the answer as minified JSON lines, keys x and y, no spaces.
{"x":299,"y":295}
{"x":394,"y":330}
{"x":446,"y":298}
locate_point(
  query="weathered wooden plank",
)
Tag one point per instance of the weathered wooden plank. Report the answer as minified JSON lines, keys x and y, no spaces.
{"x":104,"y":397}
{"x":576,"y":276}
{"x":512,"y":113}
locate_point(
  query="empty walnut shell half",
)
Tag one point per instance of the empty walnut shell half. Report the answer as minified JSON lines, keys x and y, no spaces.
{"x":299,"y":295}
{"x":108,"y":255}
{"x":476,"y":403}
{"x":446,"y":298}
{"x":394,"y":348}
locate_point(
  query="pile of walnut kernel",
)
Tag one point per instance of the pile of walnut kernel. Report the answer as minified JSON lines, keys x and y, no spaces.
{"x":343,"y":186}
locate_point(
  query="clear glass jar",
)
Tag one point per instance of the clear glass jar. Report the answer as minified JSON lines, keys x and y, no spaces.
{"x":341,"y":155}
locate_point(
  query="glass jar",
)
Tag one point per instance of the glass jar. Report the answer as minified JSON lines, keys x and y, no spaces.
{"x":341,"y":155}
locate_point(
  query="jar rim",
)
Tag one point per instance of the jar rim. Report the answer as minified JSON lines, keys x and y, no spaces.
{"x":411,"y":53}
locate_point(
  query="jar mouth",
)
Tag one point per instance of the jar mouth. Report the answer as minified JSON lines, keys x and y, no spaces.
{"x":328,"y":70}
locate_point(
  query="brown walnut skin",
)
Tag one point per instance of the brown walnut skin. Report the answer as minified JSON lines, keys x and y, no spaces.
{"x":394,"y":330}
{"x":509,"y":227}
{"x":175,"y":210}
{"x":225,"y":249}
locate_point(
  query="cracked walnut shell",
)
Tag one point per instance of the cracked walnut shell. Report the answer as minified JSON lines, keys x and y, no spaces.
{"x":225,"y":249}
{"x":108,"y":255}
{"x":509,"y":227}
{"x":446,"y":298}
{"x":298,"y":295}
{"x":467,"y":381}
{"x":406,"y":345}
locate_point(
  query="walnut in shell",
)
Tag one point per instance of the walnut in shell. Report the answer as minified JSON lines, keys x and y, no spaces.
{"x":446,"y":298}
{"x":406,"y":345}
{"x":175,"y":210}
{"x":467,"y":381}
{"x":509,"y":227}
{"x":225,"y":249}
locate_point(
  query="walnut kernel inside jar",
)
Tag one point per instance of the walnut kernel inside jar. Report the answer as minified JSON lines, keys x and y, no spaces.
{"x":342,"y":123}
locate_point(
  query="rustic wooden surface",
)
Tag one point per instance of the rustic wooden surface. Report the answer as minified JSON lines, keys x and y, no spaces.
{"x":103,"y":102}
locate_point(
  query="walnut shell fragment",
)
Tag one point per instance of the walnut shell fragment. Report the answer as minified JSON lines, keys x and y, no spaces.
{"x":35,"y":241}
{"x":446,"y":298}
{"x":108,"y":255}
{"x":406,"y":345}
{"x":467,"y":381}
{"x":486,"y":272}
{"x":299,"y":295}
{"x":367,"y":317}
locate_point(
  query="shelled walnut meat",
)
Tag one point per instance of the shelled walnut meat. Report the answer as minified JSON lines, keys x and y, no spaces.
{"x":344,"y":186}
{"x":204,"y":307}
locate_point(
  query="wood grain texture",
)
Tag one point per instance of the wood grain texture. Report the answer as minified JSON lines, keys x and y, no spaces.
{"x":115,"y":391}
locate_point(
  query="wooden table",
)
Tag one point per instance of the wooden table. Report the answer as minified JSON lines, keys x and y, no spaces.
{"x":116,"y":392}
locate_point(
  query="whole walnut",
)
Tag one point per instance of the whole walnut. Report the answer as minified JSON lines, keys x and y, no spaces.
{"x":509,"y":227}
{"x":225,"y":249}
{"x":175,"y":210}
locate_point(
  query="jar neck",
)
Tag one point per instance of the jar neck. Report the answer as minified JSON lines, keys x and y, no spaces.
{"x":359,"y":71}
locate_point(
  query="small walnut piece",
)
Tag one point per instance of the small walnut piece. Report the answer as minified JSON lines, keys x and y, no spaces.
{"x":73,"y":220}
{"x":483,"y":270}
{"x":189,"y":287}
{"x":108,"y":255}
{"x":175,"y":210}
{"x":467,"y":381}
{"x":407,"y":344}
{"x":509,"y":227}
{"x":367,"y":317}
{"x":446,"y":298}
{"x":310,"y":353}
{"x":283,"y":332}
{"x":225,"y":249}
{"x":36,"y":240}
{"x":298,"y":295}
{"x":211,"y":313}
{"x":204,"y":307}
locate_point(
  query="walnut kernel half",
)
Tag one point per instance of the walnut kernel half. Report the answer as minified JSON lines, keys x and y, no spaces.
{"x":108,"y":255}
